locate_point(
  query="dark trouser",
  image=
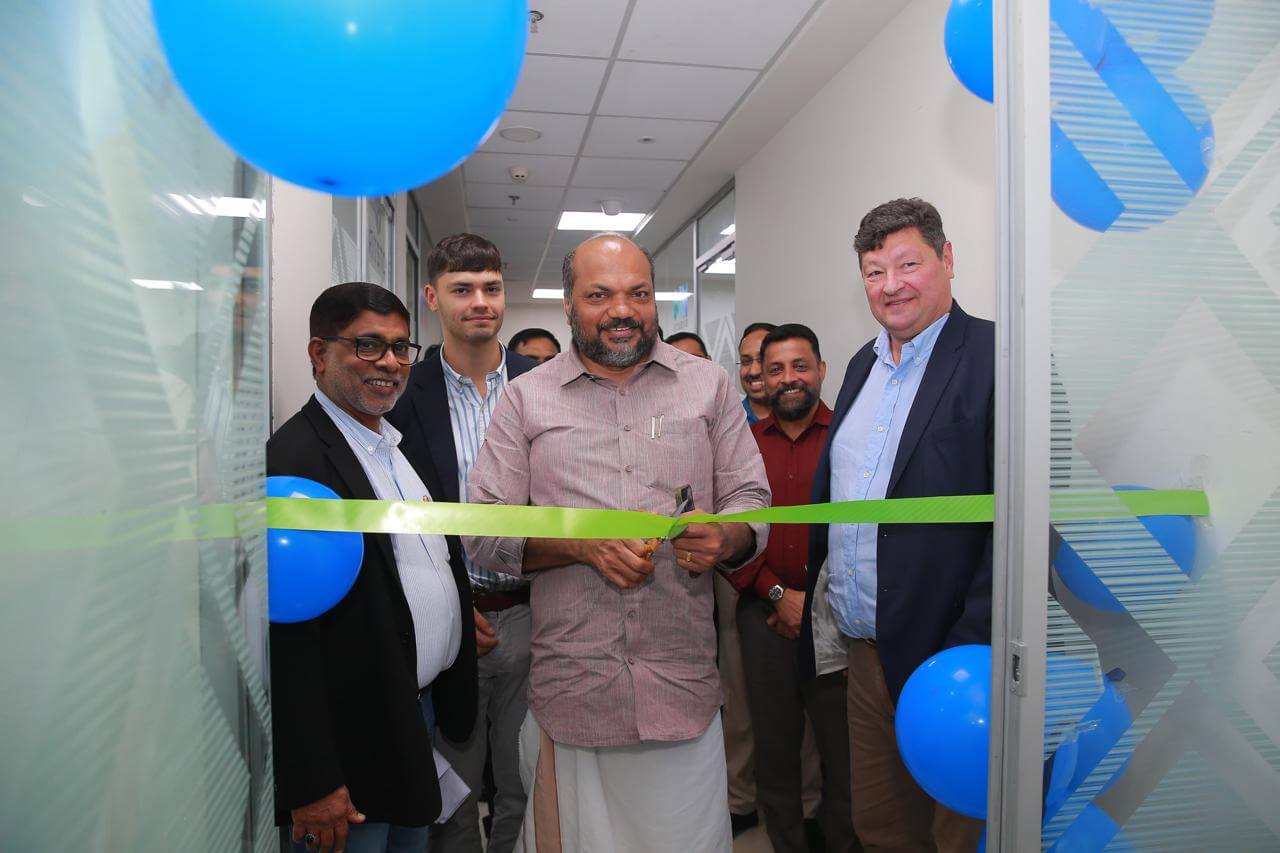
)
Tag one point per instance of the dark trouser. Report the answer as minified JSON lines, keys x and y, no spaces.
{"x":779,"y":701}
{"x":503,"y":685}
{"x":892,"y":812}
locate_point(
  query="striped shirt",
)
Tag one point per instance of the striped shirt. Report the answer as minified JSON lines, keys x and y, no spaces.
{"x":612,"y":667}
{"x":422,"y":561}
{"x":469,"y":415}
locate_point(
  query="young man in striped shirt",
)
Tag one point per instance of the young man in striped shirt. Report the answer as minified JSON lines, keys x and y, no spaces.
{"x":444,"y":415}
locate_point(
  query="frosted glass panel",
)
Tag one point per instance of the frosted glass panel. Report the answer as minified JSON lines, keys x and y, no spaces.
{"x":1163,"y":707}
{"x":132,"y":333}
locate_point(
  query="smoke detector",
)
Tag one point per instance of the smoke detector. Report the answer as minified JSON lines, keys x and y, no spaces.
{"x":611,"y":206}
{"x":519,"y":174}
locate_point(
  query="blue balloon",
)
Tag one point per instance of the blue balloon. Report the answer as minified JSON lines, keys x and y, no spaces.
{"x":942,"y":727}
{"x":348,"y":97}
{"x":971,"y":46}
{"x":1093,"y":736}
{"x":308,"y":571}
{"x":1175,"y":533}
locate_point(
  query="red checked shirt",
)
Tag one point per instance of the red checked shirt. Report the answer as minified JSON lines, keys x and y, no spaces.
{"x":789,"y":466}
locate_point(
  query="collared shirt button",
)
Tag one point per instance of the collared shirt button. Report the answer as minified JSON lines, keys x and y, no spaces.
{"x":631,"y":660}
{"x":866,"y":474}
{"x":880,"y":429}
{"x":626,"y":427}
{"x":623,"y":392}
{"x":631,"y":614}
{"x":628,"y":469}
{"x":894,"y":382}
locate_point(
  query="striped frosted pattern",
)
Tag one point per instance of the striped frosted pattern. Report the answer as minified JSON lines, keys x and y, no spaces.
{"x":132,"y":334}
{"x":1166,"y":359}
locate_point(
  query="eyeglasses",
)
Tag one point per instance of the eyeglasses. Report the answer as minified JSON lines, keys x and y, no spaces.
{"x":749,"y":361}
{"x":373,"y":349}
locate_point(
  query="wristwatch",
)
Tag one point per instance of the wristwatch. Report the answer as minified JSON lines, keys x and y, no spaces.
{"x":775,"y":593}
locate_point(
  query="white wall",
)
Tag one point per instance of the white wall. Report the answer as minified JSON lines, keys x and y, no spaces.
{"x":301,"y":243}
{"x":546,"y":314}
{"x":894,"y":122}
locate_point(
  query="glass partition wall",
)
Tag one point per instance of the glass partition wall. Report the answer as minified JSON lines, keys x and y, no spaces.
{"x":133,"y":334}
{"x":1160,"y":300}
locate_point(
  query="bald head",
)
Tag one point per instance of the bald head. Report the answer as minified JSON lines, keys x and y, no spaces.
{"x":608,"y":251}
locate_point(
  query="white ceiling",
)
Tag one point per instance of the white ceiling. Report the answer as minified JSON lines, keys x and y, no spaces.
{"x":598,"y":76}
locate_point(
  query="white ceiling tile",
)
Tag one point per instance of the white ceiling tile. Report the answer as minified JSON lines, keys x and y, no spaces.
{"x":544,"y":170}
{"x":577,"y":27}
{"x":673,"y":91}
{"x":737,"y":33}
{"x":633,"y":200}
{"x":609,"y":172}
{"x":561,"y":133}
{"x":530,"y":198}
{"x":508,"y":217}
{"x":615,"y":136}
{"x":558,"y":84}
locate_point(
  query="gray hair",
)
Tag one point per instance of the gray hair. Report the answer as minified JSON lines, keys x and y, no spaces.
{"x":566,"y":269}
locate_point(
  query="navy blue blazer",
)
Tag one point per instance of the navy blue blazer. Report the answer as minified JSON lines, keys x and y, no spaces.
{"x":422,"y":416}
{"x":933,"y":580}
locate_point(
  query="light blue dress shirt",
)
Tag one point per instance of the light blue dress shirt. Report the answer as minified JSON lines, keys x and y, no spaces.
{"x":469,"y":415}
{"x":422,"y":561}
{"x":862,"y":456}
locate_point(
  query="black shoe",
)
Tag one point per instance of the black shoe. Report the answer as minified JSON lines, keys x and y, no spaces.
{"x":814,"y":838}
{"x":742,"y":822}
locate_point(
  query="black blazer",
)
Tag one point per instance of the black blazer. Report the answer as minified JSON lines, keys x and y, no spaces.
{"x":344,"y":686}
{"x":934,"y":580}
{"x":422,"y":416}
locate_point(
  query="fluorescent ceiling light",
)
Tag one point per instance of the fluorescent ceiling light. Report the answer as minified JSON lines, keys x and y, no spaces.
{"x":165,"y":284}
{"x":729,"y":267}
{"x":660,"y":296}
{"x":730,"y":230}
{"x":240,"y":208}
{"x":594,"y":220}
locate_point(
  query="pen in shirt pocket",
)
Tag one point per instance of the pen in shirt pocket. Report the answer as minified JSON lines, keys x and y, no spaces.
{"x":655,"y":426}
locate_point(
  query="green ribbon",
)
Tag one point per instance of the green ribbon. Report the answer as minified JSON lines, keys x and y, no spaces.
{"x":221,"y":521}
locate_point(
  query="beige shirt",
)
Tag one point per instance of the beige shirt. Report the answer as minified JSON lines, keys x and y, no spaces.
{"x":610,"y":666}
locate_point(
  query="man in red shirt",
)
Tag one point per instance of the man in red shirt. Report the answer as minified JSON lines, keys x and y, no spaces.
{"x":772,"y":604}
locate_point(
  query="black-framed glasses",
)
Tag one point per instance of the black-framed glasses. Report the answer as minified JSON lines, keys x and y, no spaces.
{"x":373,"y":349}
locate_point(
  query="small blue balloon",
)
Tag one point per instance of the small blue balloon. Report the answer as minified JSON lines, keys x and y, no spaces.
{"x":1092,"y":832}
{"x":308,"y":571}
{"x":1091,"y":737}
{"x":971,"y":46}
{"x":942,"y":727}
{"x":1175,"y":533}
{"x":348,"y":97}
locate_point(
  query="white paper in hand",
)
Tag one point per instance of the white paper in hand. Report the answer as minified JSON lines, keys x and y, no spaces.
{"x":452,"y":789}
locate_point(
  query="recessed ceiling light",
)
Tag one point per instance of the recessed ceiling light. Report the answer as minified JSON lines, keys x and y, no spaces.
{"x":594,"y":220}
{"x":645,"y":140}
{"x":519,"y":133}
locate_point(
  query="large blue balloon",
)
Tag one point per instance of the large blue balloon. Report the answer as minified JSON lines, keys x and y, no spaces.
{"x":942,"y":724}
{"x":351,"y":97}
{"x":1175,"y":533}
{"x":308,"y":571}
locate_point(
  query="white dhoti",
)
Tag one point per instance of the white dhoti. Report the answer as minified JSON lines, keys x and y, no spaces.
{"x":652,"y":796}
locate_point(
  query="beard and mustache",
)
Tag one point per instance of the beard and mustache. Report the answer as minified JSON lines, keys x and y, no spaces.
{"x":795,"y":407}
{"x":618,"y":357}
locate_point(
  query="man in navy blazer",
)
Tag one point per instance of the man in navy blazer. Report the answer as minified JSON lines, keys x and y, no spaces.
{"x":444,"y":414}
{"x":914,"y":418}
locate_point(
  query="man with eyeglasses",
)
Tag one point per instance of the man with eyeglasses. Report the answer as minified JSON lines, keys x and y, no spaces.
{"x":444,"y":416}
{"x":750,"y":375}
{"x":356,"y":691}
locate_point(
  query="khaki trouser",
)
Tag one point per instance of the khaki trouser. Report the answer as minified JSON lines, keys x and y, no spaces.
{"x":890,"y":811}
